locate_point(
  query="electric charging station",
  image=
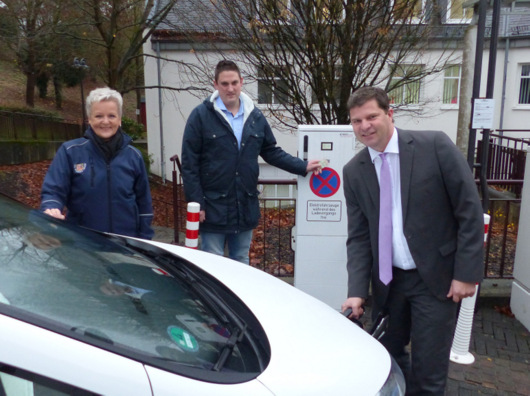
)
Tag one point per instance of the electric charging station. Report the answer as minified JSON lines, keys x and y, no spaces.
{"x":321,"y":220}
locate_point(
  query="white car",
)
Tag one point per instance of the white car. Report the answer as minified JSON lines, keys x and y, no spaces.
{"x":88,"y":313}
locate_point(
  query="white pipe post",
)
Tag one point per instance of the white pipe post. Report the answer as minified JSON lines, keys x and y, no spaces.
{"x":460,"y":348}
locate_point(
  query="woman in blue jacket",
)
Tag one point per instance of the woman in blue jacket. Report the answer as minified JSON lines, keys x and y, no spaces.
{"x":100,"y":180}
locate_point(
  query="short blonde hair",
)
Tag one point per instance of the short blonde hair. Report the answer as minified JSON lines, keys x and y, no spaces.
{"x":103,"y":94}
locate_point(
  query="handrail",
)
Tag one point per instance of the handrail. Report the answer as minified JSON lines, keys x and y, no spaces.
{"x":509,"y":138}
{"x":283,"y":182}
{"x":176,"y":197}
{"x":513,"y":130}
{"x":502,"y":182}
{"x":175,"y":159}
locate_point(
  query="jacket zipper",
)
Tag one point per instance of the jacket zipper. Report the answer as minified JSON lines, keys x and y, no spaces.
{"x":92,"y":172}
{"x":109,"y":197}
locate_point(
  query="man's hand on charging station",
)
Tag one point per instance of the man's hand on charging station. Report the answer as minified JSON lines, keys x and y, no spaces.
{"x":316,"y":166}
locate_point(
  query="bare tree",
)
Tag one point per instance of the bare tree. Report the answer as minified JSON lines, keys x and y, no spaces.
{"x":119,"y":28}
{"x":311,"y":54}
{"x":27,"y":30}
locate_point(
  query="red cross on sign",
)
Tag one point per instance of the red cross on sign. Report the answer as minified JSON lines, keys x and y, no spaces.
{"x":325,"y":184}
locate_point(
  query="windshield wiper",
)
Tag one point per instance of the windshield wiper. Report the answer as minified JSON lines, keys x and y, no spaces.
{"x":214,"y":302}
{"x":228,"y":348}
{"x":92,"y":333}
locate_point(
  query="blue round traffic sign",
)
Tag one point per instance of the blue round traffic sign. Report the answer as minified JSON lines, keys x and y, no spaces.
{"x":325,"y":184}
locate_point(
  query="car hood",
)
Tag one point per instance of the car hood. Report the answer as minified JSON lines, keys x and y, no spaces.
{"x":314,"y":349}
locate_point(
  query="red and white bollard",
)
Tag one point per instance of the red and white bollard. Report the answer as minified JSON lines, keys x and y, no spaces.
{"x":192,"y":225}
{"x":460,"y":348}
{"x":487,"y":218}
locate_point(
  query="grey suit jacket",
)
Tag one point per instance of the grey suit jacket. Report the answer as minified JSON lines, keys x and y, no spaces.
{"x":442,"y":215}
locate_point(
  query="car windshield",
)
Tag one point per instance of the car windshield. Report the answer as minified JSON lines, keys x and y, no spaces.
{"x":125,"y":296}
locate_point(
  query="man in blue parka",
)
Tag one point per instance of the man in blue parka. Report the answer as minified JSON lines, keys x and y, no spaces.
{"x":100,"y":178}
{"x":222,"y":141}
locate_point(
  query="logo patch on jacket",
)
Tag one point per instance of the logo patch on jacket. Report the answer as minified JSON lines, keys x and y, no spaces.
{"x":79,"y":168}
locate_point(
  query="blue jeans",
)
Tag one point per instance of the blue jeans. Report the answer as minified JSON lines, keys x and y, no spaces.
{"x":238,"y":244}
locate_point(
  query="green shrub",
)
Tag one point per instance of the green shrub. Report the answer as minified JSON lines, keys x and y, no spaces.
{"x":148,"y":160}
{"x":132,"y":128}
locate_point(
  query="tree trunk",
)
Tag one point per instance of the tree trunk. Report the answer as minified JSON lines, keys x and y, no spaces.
{"x":58,"y":93}
{"x":30,"y":89}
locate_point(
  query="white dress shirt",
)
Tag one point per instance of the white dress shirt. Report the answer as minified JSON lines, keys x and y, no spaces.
{"x":401,"y":256}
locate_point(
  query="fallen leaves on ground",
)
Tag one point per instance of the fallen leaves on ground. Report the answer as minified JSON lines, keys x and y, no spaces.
{"x":23,"y":182}
{"x":504,"y":310}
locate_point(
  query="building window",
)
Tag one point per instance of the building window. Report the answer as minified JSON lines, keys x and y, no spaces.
{"x":524,"y":89}
{"x":456,"y":13}
{"x":451,"y":84}
{"x":328,"y":11}
{"x":402,"y":10}
{"x":279,"y":191}
{"x":272,"y":88}
{"x":405,"y":85}
{"x":278,"y":195}
{"x":274,"y":10}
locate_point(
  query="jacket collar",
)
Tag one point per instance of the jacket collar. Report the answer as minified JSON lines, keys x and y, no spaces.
{"x":90,"y":135}
{"x":248,"y":105}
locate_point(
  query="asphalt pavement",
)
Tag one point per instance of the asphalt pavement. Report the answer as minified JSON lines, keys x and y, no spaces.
{"x":499,"y":343}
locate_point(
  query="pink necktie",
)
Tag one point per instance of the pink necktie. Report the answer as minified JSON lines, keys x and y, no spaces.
{"x":385,"y":222}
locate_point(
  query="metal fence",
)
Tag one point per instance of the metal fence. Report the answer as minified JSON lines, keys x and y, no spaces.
{"x":499,"y":255}
{"x":271,"y":246}
{"x":25,"y":127}
{"x":506,"y":157}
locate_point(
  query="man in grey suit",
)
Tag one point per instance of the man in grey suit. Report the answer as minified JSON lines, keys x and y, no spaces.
{"x":435,"y":237}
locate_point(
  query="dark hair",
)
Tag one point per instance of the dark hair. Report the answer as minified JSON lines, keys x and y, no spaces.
{"x":364,"y":94}
{"x":226,"y":65}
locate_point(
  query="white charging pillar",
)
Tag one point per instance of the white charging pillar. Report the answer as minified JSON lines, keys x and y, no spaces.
{"x":321,"y":221}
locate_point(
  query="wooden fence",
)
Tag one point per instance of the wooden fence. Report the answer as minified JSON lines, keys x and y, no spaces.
{"x":28,"y":138}
{"x":30,"y":127}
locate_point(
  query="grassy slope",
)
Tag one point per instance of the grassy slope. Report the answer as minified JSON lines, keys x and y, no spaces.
{"x":13,"y":89}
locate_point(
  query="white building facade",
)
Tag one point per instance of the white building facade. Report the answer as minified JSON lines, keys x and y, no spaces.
{"x":434,"y":102}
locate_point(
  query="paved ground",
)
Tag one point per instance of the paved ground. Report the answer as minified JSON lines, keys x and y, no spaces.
{"x":499,"y":343}
{"x":501,"y":346}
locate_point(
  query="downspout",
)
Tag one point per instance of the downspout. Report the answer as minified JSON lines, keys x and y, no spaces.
{"x":504,"y":77}
{"x":160,"y":120}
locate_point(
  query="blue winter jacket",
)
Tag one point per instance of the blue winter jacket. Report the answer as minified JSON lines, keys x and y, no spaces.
{"x":110,"y":197}
{"x":223,"y":178}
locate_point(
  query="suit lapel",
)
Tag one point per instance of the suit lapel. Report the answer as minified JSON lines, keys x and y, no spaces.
{"x":370,"y":177}
{"x":406,"y":156}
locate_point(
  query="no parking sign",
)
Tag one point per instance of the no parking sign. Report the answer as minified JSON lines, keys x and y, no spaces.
{"x":325,"y":184}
